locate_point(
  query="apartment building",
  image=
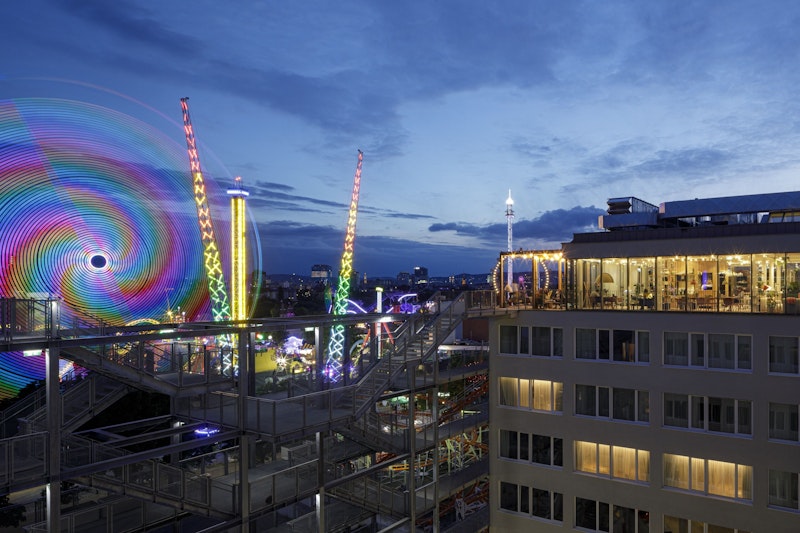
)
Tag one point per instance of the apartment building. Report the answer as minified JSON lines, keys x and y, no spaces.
{"x":659,"y":390}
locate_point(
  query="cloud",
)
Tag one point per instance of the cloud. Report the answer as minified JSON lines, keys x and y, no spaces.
{"x":287,"y":244}
{"x":550,"y":228}
{"x":687,"y":162}
{"x":134,"y":24}
{"x":277,"y":196}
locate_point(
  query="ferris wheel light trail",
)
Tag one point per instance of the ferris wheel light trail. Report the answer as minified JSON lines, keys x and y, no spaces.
{"x":333,"y":363}
{"x":84,"y":213}
{"x":220,"y":309}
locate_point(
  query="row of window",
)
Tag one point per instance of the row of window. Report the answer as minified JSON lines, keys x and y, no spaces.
{"x":616,"y":403}
{"x":612,"y":461}
{"x":708,"y":350}
{"x":705,"y":413}
{"x":783,"y":489}
{"x":536,"y":394}
{"x":707,"y":476}
{"x":674,"y":524}
{"x":535,"y":340}
{"x":597,"y":516}
{"x":721,"y":415}
{"x":718,"y":478}
{"x":621,"y":345}
{"x":540,"y":449}
{"x":532,"y":501}
{"x":702,"y":350}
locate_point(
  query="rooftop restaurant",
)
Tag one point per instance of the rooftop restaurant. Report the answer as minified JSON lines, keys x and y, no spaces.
{"x":730,"y":255}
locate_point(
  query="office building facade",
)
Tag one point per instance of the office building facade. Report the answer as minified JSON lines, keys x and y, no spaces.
{"x":661,"y":393}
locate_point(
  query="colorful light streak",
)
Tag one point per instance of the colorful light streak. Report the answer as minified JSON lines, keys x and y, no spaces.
{"x":220,"y":309}
{"x":333,"y":361}
{"x":94,"y":208}
{"x":238,"y":251}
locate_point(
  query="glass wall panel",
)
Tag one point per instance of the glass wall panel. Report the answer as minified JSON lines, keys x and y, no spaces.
{"x":734,"y":283}
{"x":641,"y":283}
{"x":702,"y":285}
{"x":792,"y":304}
{"x":612,"y":283}
{"x":587,"y":294}
{"x":768,"y":283}
{"x":671,"y":289}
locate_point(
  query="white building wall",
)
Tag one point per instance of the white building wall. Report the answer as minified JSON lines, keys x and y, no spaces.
{"x":757,"y":450}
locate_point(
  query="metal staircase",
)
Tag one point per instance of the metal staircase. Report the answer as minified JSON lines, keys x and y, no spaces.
{"x":80,"y":401}
{"x":350,"y":411}
{"x":417,"y":345}
{"x":150,"y":366}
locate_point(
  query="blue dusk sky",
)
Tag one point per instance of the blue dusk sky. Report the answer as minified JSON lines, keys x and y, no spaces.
{"x":565,"y":103}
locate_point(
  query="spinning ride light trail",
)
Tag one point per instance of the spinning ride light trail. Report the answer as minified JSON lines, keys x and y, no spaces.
{"x":333,"y":363}
{"x":94,"y":209}
{"x":220,"y":309}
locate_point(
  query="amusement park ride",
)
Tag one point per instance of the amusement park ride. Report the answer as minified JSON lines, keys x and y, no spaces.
{"x":220,"y":308}
{"x":336,"y":350}
{"x":415,"y":416}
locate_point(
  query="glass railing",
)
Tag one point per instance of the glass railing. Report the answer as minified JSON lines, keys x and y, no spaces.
{"x":24,"y":459}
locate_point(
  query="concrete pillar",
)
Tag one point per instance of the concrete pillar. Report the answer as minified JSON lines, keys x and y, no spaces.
{"x":412,"y":465}
{"x":245,"y":348}
{"x":53,"y":487}
{"x":320,"y":503}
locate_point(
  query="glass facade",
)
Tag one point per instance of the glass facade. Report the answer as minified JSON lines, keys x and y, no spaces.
{"x":747,"y":283}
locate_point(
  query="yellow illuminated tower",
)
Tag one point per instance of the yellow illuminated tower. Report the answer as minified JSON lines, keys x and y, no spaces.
{"x":238,"y":251}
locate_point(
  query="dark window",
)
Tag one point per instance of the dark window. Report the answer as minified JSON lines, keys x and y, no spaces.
{"x":541,"y":503}
{"x":541,"y":449}
{"x":508,"y":496}
{"x":540,"y":341}
{"x":508,"y":339}
{"x":625,"y":404}
{"x":624,"y":345}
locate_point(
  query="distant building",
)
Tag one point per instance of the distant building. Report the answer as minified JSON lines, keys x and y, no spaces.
{"x":404,"y":279}
{"x":321,"y":273}
{"x":420,"y":276}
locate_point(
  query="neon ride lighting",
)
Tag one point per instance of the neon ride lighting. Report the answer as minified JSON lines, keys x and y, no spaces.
{"x":333,"y":362}
{"x":238,"y":251}
{"x":220,"y":309}
{"x":95,"y":210}
{"x":206,"y":431}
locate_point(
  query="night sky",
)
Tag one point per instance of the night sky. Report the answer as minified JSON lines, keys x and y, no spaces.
{"x":566,"y":103}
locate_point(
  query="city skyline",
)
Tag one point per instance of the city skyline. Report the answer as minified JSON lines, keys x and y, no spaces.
{"x":453,"y":104}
